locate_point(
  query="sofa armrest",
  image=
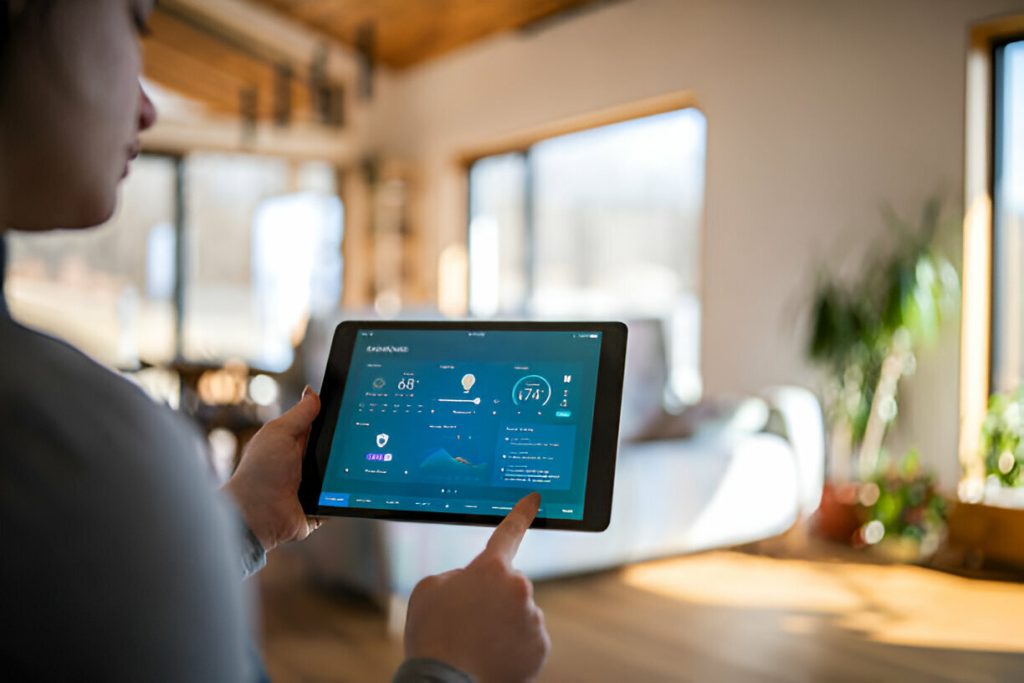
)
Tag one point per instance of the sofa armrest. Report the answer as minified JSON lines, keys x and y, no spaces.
{"x":805,"y":429}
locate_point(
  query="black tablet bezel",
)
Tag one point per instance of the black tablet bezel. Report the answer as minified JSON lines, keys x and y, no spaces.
{"x":603,"y":443}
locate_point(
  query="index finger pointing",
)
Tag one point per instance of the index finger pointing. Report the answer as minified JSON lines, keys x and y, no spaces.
{"x":505,"y":540}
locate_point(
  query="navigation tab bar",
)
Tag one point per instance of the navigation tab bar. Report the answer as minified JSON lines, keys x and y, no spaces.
{"x":469,"y":507}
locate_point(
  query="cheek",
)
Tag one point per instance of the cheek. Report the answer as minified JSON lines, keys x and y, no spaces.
{"x":96,"y":99}
{"x":105,"y":74}
{"x":69,"y":115}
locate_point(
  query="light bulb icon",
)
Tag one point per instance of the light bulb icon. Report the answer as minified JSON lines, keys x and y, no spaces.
{"x":467,"y":382}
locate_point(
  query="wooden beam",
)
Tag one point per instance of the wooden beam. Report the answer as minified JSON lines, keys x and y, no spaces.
{"x":301,"y":142}
{"x":275,"y":31}
{"x":185,"y":59}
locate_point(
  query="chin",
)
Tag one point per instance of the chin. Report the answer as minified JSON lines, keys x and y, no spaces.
{"x":93,"y":217}
{"x":93,"y":208}
{"x":66,"y":215}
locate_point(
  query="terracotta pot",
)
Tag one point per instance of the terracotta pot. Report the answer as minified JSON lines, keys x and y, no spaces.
{"x":837,"y":518}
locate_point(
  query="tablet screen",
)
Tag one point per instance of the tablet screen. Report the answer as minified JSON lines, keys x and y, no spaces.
{"x":465,"y":421}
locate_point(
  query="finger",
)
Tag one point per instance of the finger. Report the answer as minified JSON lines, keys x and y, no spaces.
{"x":505,"y":540}
{"x":314,"y":523}
{"x":299,"y":418}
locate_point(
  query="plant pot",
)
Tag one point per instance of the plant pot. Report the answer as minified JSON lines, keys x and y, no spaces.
{"x":838,"y":517}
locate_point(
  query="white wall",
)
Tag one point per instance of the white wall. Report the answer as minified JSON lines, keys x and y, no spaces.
{"x":819,"y":111}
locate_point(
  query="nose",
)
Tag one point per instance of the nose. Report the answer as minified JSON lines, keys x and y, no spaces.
{"x":147,"y":110}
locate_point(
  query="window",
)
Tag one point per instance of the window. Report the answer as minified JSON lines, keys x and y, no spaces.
{"x":1008,"y":216}
{"x":599,"y":223}
{"x":262,"y":251}
{"x":260,"y":231}
{"x":109,"y":290}
{"x":992,"y":318}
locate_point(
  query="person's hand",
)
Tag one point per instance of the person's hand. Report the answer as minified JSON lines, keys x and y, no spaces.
{"x":265,"y":485}
{"x":482,"y":619}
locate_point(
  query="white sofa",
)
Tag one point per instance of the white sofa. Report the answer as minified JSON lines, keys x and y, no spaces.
{"x":725,"y":485}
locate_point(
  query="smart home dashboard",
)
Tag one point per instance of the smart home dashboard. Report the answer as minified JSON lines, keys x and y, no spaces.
{"x":465,"y":421}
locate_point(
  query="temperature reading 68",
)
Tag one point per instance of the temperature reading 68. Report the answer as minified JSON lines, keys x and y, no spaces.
{"x":407,"y":384}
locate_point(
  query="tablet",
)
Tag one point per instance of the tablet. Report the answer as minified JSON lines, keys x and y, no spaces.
{"x":454,"y":422}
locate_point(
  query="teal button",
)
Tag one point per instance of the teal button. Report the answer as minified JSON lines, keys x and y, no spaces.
{"x":563,"y":413}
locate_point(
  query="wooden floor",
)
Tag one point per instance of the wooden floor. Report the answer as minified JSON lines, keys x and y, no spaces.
{"x":721,"y":616}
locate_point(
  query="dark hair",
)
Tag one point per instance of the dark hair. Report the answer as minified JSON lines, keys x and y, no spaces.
{"x":29,"y":15}
{"x":4,"y":11}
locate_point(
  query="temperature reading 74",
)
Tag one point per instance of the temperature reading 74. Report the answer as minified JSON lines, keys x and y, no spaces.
{"x":531,"y":394}
{"x":532,"y":389}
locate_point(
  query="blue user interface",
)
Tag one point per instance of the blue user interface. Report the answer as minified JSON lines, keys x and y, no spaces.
{"x":465,"y":421}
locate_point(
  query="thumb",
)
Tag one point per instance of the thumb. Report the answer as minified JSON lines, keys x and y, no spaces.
{"x":297,"y":420}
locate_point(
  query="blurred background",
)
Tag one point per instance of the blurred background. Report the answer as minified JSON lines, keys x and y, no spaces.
{"x":809,"y":213}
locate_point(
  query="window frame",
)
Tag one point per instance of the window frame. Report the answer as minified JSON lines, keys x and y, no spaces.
{"x":523,"y":142}
{"x":979,"y":298}
{"x":997,"y":88}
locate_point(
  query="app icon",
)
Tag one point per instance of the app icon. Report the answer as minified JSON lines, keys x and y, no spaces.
{"x":382,"y":440}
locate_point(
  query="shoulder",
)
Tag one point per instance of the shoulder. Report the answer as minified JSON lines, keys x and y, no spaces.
{"x":76,"y":429}
{"x":112,"y":529}
{"x":53,"y":396}
{"x":39,"y":365}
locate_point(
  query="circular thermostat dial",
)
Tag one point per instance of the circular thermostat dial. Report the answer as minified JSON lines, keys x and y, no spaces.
{"x":532,"y":390}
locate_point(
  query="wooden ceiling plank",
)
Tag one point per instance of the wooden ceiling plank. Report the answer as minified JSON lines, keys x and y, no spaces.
{"x":196,"y":64}
{"x":169,"y":30}
{"x":409,"y":32}
{"x":189,"y":68}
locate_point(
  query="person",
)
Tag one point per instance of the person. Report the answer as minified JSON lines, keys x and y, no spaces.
{"x":119,"y":559}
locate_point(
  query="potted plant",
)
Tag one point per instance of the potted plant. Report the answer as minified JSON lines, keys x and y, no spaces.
{"x":903,"y":515}
{"x":1002,"y":443}
{"x":864,"y":335}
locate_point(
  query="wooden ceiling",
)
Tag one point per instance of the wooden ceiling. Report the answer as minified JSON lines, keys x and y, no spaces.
{"x":196,"y":55}
{"x":185,"y":55}
{"x":408,"y":32}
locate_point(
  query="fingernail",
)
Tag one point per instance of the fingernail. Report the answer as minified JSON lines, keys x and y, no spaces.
{"x":307,"y":392}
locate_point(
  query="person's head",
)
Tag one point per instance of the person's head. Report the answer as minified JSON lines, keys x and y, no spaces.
{"x":71,"y":108}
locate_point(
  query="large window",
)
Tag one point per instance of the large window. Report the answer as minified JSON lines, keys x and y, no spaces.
{"x":256,"y":251}
{"x":260,"y":233}
{"x":1008,"y":217}
{"x":109,"y":290}
{"x":599,"y":223}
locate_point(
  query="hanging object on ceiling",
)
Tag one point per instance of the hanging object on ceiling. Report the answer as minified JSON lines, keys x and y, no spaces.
{"x":366,"y":39}
{"x":282,"y":95}
{"x":328,"y":98}
{"x":249,"y":112}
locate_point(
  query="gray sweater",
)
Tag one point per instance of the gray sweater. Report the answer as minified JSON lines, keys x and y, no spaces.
{"x":118,"y":559}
